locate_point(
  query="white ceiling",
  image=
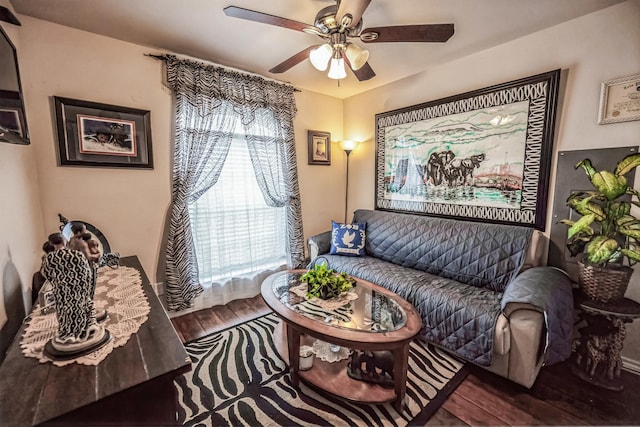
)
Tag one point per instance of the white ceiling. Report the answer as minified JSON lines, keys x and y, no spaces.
{"x":199,"y":28}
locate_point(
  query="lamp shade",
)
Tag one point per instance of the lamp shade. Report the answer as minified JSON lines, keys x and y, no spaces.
{"x":337,"y":70}
{"x":348,"y":145}
{"x":357,"y":56}
{"x":320,"y":56}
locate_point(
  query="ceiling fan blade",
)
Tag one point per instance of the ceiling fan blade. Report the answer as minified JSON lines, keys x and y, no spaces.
{"x":292,"y":61}
{"x":251,"y":15}
{"x":355,"y":8}
{"x":364,"y":73}
{"x":408,"y":33}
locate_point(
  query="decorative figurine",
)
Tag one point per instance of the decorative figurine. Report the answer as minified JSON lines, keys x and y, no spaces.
{"x":73,"y":281}
{"x":378,"y":367}
{"x":83,"y":241}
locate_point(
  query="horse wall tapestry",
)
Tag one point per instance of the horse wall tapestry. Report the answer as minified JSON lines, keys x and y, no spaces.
{"x":482,"y":155}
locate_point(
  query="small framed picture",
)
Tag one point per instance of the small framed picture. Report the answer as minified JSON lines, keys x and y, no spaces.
{"x":319,"y":147}
{"x":620,"y":100}
{"x":12,"y":118}
{"x":92,"y":134}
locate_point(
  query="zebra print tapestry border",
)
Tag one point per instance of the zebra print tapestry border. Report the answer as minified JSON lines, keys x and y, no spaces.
{"x":457,"y":195}
{"x":239,"y":378}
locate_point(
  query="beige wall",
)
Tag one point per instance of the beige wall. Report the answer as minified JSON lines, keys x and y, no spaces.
{"x":321,"y":187}
{"x":129,"y":205}
{"x":21,"y":229}
{"x":591,"y":49}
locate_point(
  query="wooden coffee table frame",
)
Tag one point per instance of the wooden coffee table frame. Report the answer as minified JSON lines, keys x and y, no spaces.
{"x":332,"y":377}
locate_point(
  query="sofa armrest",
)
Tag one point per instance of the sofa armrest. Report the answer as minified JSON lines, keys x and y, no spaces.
{"x":319,"y":244}
{"x":526,"y":345}
{"x":536,"y":287}
{"x":547,"y":290}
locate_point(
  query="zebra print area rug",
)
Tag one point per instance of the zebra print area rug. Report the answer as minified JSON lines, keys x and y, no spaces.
{"x":239,"y":379}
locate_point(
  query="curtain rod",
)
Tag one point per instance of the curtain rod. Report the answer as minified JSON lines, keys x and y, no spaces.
{"x":163,"y":57}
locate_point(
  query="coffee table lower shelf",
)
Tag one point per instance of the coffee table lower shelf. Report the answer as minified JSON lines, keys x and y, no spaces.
{"x":332,"y":377}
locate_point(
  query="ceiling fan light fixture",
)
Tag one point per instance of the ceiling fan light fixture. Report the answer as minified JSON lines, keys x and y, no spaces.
{"x":337,"y":70}
{"x":320,"y":56}
{"x":357,"y":56}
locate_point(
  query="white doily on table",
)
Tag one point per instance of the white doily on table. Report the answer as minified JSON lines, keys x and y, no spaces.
{"x":327,"y":304}
{"x":119,"y":291}
{"x":323,"y":351}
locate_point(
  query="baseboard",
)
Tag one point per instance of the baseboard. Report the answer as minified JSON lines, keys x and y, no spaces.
{"x":631,"y":365}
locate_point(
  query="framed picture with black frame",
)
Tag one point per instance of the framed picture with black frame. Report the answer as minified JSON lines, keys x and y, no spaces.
{"x":319,"y":147}
{"x":102,"y":135}
{"x":483,"y":155}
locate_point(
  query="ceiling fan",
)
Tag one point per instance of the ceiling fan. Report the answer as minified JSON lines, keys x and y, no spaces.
{"x":336,"y":25}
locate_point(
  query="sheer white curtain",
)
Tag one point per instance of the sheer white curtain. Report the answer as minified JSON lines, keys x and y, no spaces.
{"x":238,"y":239}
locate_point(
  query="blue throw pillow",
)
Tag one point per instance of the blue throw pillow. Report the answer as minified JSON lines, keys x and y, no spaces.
{"x":347,"y":239}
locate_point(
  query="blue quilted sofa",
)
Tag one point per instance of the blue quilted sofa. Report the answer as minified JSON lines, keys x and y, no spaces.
{"x":469,"y":281}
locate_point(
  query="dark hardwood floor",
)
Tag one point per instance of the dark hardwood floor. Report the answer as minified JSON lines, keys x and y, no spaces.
{"x":557,"y":397}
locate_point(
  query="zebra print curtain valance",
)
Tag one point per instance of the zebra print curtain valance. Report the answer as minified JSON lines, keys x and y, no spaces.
{"x":208,"y":85}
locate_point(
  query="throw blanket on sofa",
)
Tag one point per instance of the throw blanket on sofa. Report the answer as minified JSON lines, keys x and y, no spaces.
{"x":534,"y":287}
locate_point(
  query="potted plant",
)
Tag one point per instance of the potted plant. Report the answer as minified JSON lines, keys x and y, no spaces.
{"x":325,"y":283}
{"x":607,"y":233}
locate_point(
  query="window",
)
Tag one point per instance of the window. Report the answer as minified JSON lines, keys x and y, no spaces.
{"x":235,"y":233}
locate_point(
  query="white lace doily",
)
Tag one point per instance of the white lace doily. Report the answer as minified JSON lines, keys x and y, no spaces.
{"x":119,"y":291}
{"x":328,"y":304}
{"x":323,"y":351}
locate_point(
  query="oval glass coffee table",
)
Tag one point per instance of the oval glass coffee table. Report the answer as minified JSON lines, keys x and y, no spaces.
{"x":376,"y":320}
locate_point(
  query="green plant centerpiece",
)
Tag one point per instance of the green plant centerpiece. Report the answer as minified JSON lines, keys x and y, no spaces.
{"x":607,"y":233}
{"x":325,"y":283}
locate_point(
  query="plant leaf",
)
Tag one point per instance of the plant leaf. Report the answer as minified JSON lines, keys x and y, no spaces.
{"x":601,"y":249}
{"x":627,"y":221}
{"x":612,"y":186}
{"x":632,"y":251}
{"x":629,"y":226}
{"x":633,"y":192}
{"x":581,"y":225}
{"x":588,"y":168}
{"x":627,"y":164}
{"x":619,"y":209}
{"x":631,"y":254}
{"x":631,"y":232}
{"x":586,"y":206}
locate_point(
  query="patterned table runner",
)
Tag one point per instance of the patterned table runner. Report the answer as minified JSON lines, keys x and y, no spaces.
{"x":119,"y":291}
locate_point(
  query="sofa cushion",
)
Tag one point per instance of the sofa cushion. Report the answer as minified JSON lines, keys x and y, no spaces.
{"x":456,"y":316}
{"x":348,"y":239}
{"x":477,"y":254}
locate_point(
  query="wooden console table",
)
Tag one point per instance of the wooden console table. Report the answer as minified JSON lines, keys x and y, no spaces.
{"x":132,"y":386}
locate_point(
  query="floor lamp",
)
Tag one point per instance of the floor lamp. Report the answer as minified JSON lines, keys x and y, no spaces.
{"x":348,"y":147}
